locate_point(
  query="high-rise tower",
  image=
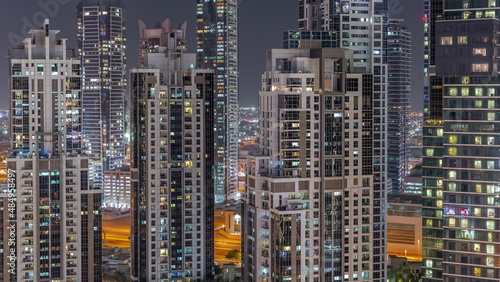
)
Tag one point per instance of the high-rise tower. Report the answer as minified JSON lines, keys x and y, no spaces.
{"x":362,"y":28}
{"x":310,"y":213}
{"x":217,"y":49}
{"x":101,"y":43}
{"x":54,"y":211}
{"x":398,"y":102}
{"x":172,"y":163}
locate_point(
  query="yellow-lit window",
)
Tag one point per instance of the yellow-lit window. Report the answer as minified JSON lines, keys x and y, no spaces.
{"x":479,"y":51}
{"x":440,"y":183}
{"x":452,"y":151}
{"x":489,"y":14}
{"x":429,"y":192}
{"x":477,"y":271}
{"x":462,"y":40}
{"x":490,"y":189}
{"x":480,"y":67}
{"x":439,"y":132}
{"x":446,"y":40}
{"x":451,"y":222}
{"x":491,"y":116}
{"x":477,"y":247}
{"x":479,"y":188}
{"x":478,"y":91}
{"x":429,"y":152}
{"x":428,"y":222}
{"x":453,"y":139}
{"x":452,"y":174}
{"x":490,"y":236}
{"x":478,"y":140}
{"x":439,"y":193}
{"x":465,"y":91}
{"x":465,"y":80}
{"x":477,"y":211}
{"x":189,"y":164}
{"x":478,"y":103}
{"x":453,"y":91}
{"x":490,"y":249}
{"x":464,"y":222}
{"x":439,"y":203}
{"x":491,"y":104}
{"x":478,"y":164}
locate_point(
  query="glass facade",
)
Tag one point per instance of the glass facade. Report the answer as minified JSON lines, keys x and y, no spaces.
{"x":217,"y":49}
{"x":101,"y":43}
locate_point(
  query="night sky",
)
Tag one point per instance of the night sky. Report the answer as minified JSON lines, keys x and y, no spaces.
{"x":261,"y":26}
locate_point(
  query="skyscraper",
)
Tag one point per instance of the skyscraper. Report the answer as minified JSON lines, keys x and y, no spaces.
{"x":310,"y":213}
{"x":465,"y":36}
{"x":398,"y":102}
{"x":172,"y":163}
{"x":362,"y":27}
{"x":217,"y":49}
{"x":54,"y":219}
{"x":101,"y":43}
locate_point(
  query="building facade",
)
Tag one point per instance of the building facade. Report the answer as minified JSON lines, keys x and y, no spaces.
{"x":117,"y":188}
{"x":101,"y":43}
{"x":465,"y":61}
{"x":312,"y":212}
{"x":217,"y":49}
{"x":398,"y":102}
{"x":362,"y":28}
{"x":172,"y":166}
{"x":55,"y":221}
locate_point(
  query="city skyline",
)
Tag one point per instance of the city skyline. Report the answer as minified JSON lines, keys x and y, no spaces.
{"x":270,"y":26}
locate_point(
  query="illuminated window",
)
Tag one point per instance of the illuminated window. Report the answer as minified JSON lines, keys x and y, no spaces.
{"x":477,"y":271}
{"x":491,"y":140}
{"x":490,"y":224}
{"x":451,"y":222}
{"x":465,"y":80}
{"x":490,"y":261}
{"x":478,"y":103}
{"x":464,"y":222}
{"x":490,"y":249}
{"x":478,"y":140}
{"x":439,"y":203}
{"x":479,"y":51}
{"x":491,"y":213}
{"x":479,"y":188}
{"x":480,"y":67}
{"x":452,"y":174}
{"x":453,"y":139}
{"x":477,"y":211}
{"x":452,"y":186}
{"x":490,"y":164}
{"x":491,"y":104}
{"x":478,"y":164}
{"x":478,"y":91}
{"x":452,"y":151}
{"x":477,"y":247}
{"x":429,"y":152}
{"x":465,"y":91}
{"x":447,"y":40}
{"x":491,"y":116}
{"x":439,"y":132}
{"x":491,"y":91}
{"x":462,"y":40}
{"x":492,"y":3}
{"x":489,"y":14}
{"x":453,"y":91}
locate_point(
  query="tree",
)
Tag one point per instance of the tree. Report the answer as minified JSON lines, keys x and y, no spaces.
{"x":234,"y":255}
{"x":403,"y":273}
